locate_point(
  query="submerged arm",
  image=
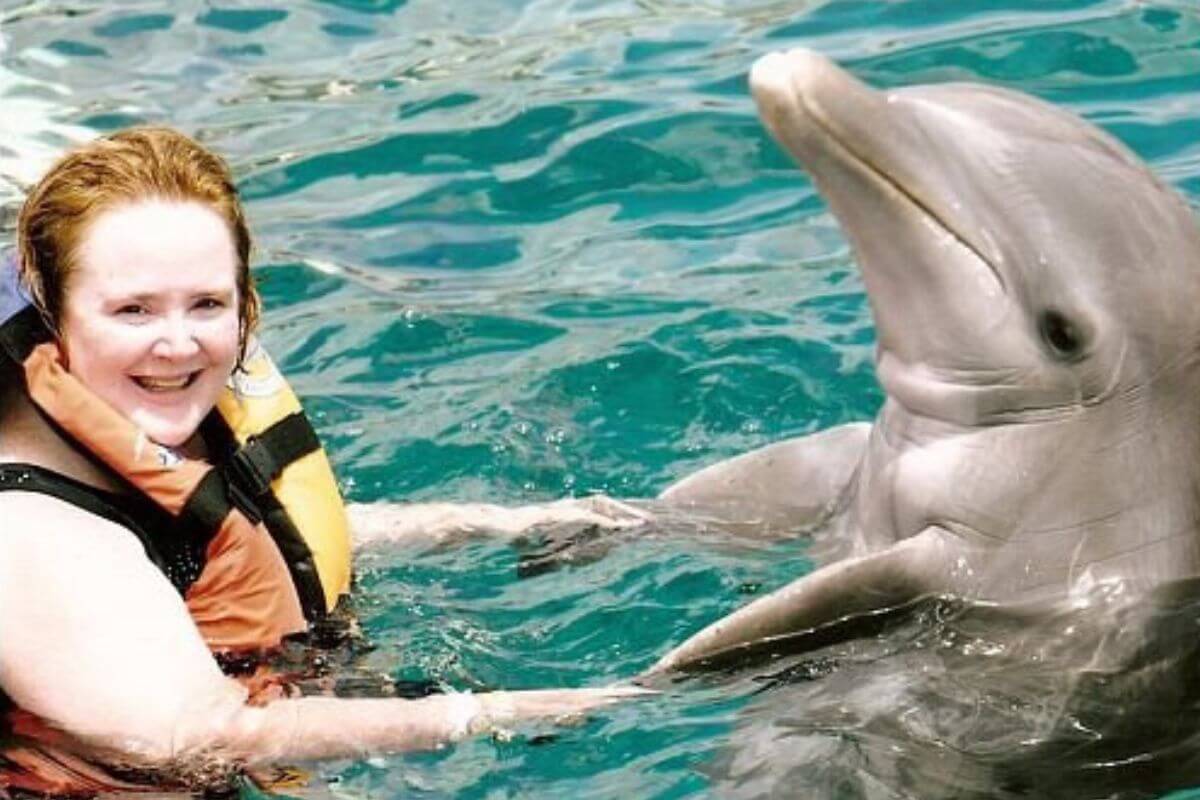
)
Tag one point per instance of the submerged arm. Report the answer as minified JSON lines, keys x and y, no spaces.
{"x":98,"y":644}
{"x":439,"y":522}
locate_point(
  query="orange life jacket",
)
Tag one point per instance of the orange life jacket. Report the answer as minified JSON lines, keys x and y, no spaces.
{"x":244,"y":598}
{"x":260,"y":575}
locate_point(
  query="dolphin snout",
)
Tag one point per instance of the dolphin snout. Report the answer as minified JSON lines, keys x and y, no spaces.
{"x":805,"y":100}
{"x":779,"y":82}
{"x":794,"y":71}
{"x":801,"y":73}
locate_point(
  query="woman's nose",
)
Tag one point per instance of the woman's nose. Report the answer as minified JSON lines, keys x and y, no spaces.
{"x":176,"y":338}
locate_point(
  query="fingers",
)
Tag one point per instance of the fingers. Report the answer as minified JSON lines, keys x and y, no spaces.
{"x":622,"y":514}
{"x":599,"y":510}
{"x":560,"y":706}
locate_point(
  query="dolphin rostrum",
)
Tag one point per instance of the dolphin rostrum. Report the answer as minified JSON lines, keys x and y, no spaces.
{"x":1035,"y":291}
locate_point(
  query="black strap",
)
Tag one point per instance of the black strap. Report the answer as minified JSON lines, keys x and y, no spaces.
{"x":210,"y":504}
{"x":245,"y":478}
{"x":22,"y":332}
{"x":264,"y":456}
{"x":180,"y":557}
{"x":244,"y":482}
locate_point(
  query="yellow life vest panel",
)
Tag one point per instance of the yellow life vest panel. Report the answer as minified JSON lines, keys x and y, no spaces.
{"x":257,"y":398}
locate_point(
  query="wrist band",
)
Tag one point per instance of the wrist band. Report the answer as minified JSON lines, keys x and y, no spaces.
{"x":464,"y":709}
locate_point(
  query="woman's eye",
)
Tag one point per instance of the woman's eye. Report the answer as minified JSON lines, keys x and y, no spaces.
{"x":209,"y":303}
{"x":131,"y":309}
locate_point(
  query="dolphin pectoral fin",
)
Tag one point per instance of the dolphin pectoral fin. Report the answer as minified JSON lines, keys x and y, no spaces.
{"x":906,"y":571}
{"x":780,"y":487}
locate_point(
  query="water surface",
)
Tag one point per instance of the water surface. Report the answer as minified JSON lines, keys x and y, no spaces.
{"x":518,"y":249}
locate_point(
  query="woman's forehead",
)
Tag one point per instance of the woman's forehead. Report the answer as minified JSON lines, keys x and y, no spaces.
{"x":155,"y":244}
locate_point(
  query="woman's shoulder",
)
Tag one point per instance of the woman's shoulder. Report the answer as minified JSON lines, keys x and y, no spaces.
{"x":35,"y":519}
{"x":58,"y":559}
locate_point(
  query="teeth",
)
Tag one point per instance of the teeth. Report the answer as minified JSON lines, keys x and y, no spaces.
{"x":163,"y":384}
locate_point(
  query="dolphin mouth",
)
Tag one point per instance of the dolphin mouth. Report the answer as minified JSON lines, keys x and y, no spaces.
{"x":856,"y":158}
{"x":788,"y":88}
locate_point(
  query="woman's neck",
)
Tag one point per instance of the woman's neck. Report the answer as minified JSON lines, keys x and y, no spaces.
{"x":26,"y":436}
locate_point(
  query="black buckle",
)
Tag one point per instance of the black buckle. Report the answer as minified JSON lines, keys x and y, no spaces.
{"x":252,"y":468}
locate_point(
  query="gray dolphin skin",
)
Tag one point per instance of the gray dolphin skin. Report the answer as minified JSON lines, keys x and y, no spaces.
{"x":1035,"y":291}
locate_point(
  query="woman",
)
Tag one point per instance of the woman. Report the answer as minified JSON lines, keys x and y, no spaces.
{"x":143,"y":546}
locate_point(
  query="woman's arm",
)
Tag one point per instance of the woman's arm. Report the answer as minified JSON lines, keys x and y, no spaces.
{"x":325,"y":727}
{"x":438,"y":522}
{"x":97,"y":643}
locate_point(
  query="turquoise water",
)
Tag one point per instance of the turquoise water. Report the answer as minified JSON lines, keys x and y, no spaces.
{"x":515,"y":250}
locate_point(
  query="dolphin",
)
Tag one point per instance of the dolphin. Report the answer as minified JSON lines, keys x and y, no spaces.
{"x":1035,"y":291}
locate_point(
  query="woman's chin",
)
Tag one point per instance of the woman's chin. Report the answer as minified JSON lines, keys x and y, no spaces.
{"x":174,"y":433}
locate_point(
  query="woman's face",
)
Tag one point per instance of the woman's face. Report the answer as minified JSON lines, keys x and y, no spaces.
{"x":150,"y":314}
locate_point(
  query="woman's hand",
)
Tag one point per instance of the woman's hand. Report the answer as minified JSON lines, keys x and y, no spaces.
{"x":497,"y":711}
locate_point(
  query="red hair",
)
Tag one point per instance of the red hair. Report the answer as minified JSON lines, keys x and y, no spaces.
{"x":125,"y":167}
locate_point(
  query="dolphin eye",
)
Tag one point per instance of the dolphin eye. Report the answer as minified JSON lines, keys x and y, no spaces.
{"x":1064,"y":337}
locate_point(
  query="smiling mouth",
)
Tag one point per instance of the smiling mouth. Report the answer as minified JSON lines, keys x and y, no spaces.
{"x":159,"y":385}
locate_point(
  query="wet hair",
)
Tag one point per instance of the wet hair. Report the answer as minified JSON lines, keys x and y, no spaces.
{"x":136,"y":164}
